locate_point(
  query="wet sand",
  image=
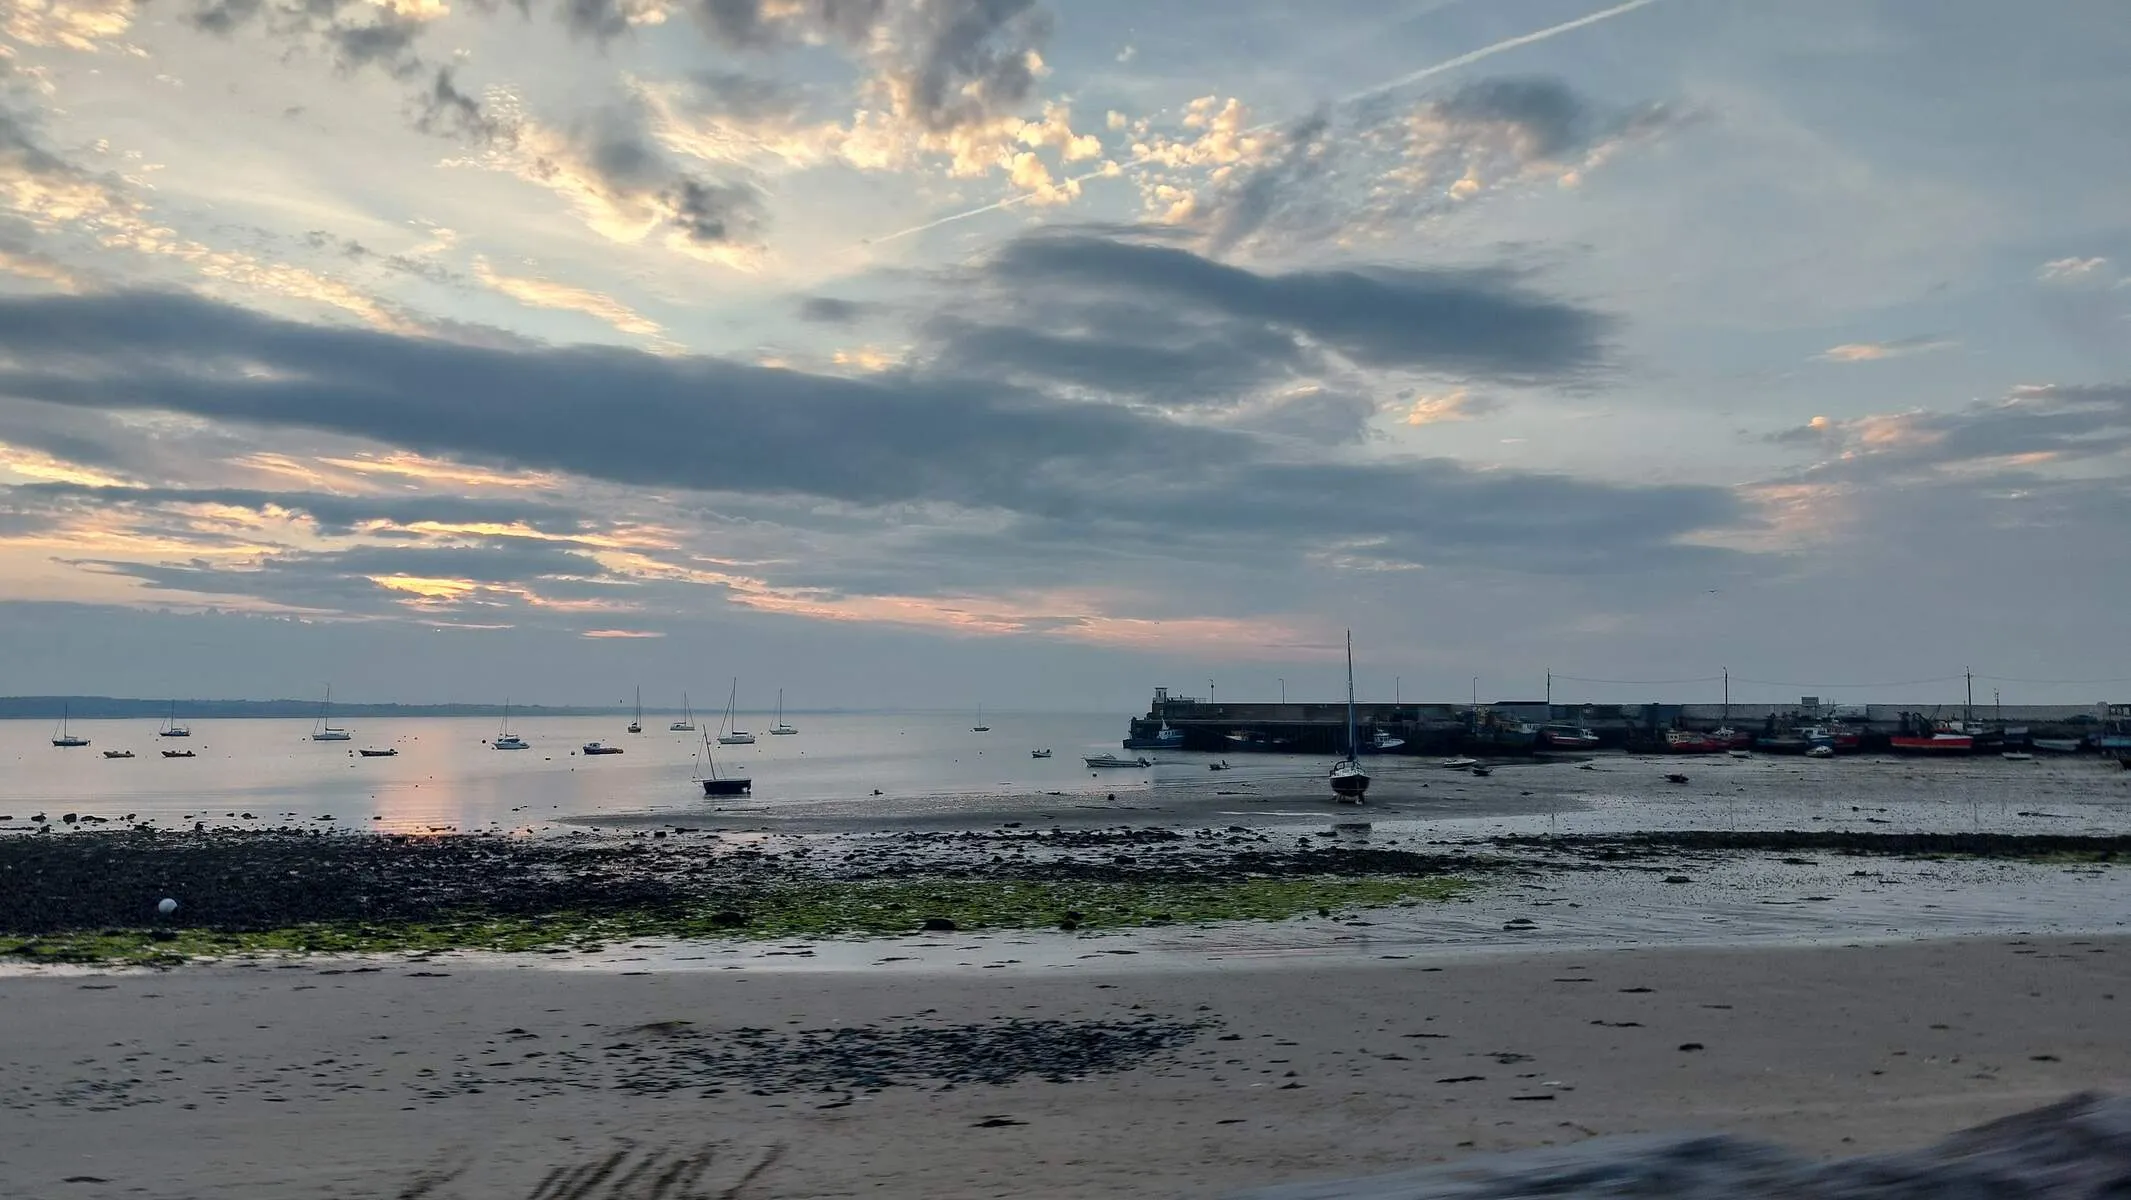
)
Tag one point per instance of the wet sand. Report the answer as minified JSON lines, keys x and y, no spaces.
{"x":362,"y":1079}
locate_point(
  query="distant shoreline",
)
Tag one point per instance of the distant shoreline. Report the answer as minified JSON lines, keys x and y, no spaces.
{"x":93,"y":708}
{"x":105,"y":708}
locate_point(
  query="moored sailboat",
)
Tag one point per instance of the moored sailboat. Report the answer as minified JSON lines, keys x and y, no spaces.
{"x":708,"y":776}
{"x":637,"y":725}
{"x":1350,"y":780}
{"x":171,"y":728}
{"x":65,"y":736}
{"x":781,"y":729}
{"x":687,"y":723}
{"x":323,"y":730}
{"x":729,"y":733}
{"x":506,"y":740}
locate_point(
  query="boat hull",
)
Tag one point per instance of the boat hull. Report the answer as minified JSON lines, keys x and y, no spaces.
{"x":727,"y":787}
{"x":377,"y":753}
{"x":2057,"y":745}
{"x":1349,"y":781}
{"x":1111,"y":760}
{"x":737,"y":739}
{"x":1940,"y":744}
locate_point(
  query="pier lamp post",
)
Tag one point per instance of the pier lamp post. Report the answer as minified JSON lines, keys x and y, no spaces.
{"x":1283,"y":691}
{"x":1476,"y":691}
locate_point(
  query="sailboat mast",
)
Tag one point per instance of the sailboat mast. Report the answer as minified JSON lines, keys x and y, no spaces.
{"x":1351,"y":750}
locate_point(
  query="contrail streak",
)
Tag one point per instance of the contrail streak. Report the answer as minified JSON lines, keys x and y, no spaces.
{"x":1407,"y":80}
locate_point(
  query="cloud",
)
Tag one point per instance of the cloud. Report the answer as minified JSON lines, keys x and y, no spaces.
{"x":2072,"y":270}
{"x":1485,"y":323}
{"x":354,"y":34}
{"x":1373,"y":165}
{"x":1456,"y":405}
{"x":333,"y":515}
{"x":828,"y":310}
{"x":81,"y":25}
{"x":1020,"y":464}
{"x":1850,"y":352}
{"x":543,"y":293}
{"x":624,"y":188}
{"x":2036,"y":427}
{"x":622,"y":633}
{"x":445,"y":111}
{"x":60,"y":199}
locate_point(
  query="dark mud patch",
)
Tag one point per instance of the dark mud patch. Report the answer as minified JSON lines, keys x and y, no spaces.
{"x":869,"y":1058}
{"x":1612,"y":847}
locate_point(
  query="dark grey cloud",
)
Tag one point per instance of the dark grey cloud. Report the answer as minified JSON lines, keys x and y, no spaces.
{"x":354,"y":34}
{"x":1552,"y":118}
{"x":828,"y":310}
{"x":1089,"y":471}
{"x":1484,"y":323}
{"x":755,"y":25}
{"x":746,"y":99}
{"x":444,"y":111}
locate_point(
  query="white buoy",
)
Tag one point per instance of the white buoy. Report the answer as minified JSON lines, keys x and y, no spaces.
{"x":166,"y":906}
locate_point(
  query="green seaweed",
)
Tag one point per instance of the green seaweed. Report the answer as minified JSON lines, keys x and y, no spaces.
{"x":822,"y":909}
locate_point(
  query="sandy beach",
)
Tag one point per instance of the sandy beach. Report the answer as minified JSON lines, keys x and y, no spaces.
{"x":450,"y":1077}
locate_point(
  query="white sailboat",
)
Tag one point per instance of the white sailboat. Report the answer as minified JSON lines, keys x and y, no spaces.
{"x":780,"y":728}
{"x":64,"y":736}
{"x":728,"y":733}
{"x":171,"y":728}
{"x":980,"y":726}
{"x":637,"y":725}
{"x":506,"y":740}
{"x":687,"y":723}
{"x":323,"y":730}
{"x":1350,"y":782}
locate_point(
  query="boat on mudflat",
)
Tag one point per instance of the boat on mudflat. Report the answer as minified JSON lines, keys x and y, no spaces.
{"x":1936,"y":742}
{"x":2058,"y":745}
{"x":1350,"y":780}
{"x":1562,"y":736}
{"x":1687,"y":741}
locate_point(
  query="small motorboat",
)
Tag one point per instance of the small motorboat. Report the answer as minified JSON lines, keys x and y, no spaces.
{"x":1741,"y":753}
{"x":1821,"y":752}
{"x":1675,"y":777}
{"x":2017,"y":756}
{"x":179,"y":754}
{"x":118,"y":754}
{"x":1218,"y":766}
{"x":601,"y":748}
{"x":1483,"y":772}
{"x":1460,"y":763}
{"x":387,"y":752}
{"x":1032,"y":753}
{"x":1111,"y":760}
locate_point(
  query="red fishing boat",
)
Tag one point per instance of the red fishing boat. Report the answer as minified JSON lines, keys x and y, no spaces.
{"x":1943,"y":739}
{"x":1687,"y":741}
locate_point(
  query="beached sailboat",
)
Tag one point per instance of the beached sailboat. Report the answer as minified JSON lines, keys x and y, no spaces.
{"x":323,"y":729}
{"x":687,"y":723}
{"x":64,"y":736}
{"x":781,"y":729}
{"x":730,"y":734}
{"x":708,"y":775}
{"x":171,"y":728}
{"x":506,"y":740}
{"x":637,"y":725}
{"x":1350,"y":780}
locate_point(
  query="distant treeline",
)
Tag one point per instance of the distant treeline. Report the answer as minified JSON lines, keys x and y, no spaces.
{"x":90,"y":708}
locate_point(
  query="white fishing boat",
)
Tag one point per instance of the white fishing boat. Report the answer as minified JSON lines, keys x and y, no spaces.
{"x":64,"y":736}
{"x":1111,"y":760}
{"x":323,"y":729}
{"x":1350,"y":780}
{"x":1383,"y":742}
{"x":505,"y":739}
{"x":780,"y":729}
{"x":728,"y":733}
{"x":687,"y":723}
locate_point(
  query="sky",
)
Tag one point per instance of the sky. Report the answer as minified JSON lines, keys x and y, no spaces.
{"x":944,"y":352}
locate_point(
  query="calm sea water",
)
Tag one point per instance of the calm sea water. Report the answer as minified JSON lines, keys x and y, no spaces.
{"x":933,"y":769}
{"x":446,"y":773}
